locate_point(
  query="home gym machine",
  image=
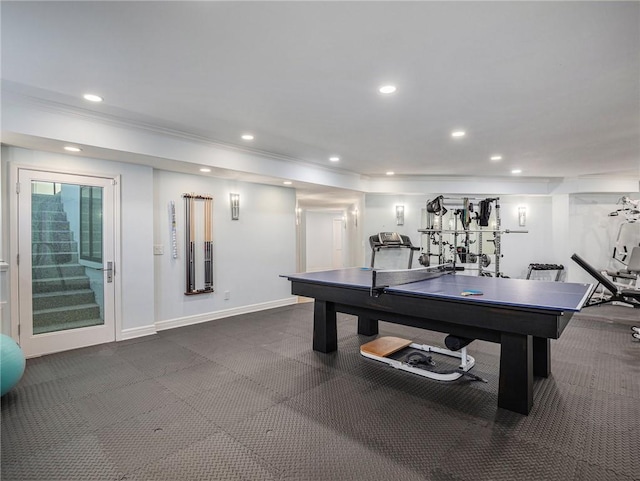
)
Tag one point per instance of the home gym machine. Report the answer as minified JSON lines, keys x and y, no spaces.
{"x":456,"y":232}
{"x":628,"y":231}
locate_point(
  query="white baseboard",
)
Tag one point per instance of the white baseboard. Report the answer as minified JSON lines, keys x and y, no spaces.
{"x":211,"y":316}
{"x":134,"y":332}
{"x":137,"y":332}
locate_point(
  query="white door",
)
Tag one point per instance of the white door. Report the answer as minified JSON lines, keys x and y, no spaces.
{"x":66,"y":263}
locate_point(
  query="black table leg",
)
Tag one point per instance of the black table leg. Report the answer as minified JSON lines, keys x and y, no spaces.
{"x":541,"y":356}
{"x":325,"y":328}
{"x":367,"y":326}
{"x":515,"y":391}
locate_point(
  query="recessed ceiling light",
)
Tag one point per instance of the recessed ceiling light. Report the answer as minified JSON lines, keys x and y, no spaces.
{"x":496,"y":158}
{"x":516,"y":171}
{"x":390,"y":173}
{"x":205,"y":169}
{"x":458,"y":133}
{"x":334,"y":159}
{"x":71,"y":148}
{"x":387,"y":89}
{"x":92,"y":98}
{"x":287,"y":182}
{"x":247,"y":137}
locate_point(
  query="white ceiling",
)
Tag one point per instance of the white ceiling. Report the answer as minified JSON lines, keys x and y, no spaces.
{"x":554,"y":87}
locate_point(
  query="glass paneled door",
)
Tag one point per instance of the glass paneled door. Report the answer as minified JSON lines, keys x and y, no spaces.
{"x":66,"y":261}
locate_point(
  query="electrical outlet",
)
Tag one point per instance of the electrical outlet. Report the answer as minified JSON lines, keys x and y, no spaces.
{"x":227,"y":295}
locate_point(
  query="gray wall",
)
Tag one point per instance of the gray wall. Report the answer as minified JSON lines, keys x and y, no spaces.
{"x":249,"y":254}
{"x":136,"y":226}
{"x":557,"y":225}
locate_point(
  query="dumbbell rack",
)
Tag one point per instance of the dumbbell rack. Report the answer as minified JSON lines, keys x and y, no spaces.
{"x":546,"y":267}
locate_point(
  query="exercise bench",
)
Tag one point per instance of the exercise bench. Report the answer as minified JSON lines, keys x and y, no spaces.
{"x":630,"y":297}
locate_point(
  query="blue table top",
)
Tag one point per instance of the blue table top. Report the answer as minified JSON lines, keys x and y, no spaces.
{"x":555,"y":296}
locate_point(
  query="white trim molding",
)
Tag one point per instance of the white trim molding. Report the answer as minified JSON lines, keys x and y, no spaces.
{"x":134,"y":332}
{"x":5,"y":326}
{"x":211,"y":316}
{"x":200,"y":318}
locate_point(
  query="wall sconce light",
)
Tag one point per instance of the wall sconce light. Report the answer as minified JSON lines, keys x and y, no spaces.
{"x":399,"y":214}
{"x":235,"y":206}
{"x":522,"y":216}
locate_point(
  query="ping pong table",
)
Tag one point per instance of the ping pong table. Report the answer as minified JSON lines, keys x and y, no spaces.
{"x":521,"y":315}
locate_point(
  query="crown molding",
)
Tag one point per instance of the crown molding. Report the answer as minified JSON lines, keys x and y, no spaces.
{"x":128,"y":123}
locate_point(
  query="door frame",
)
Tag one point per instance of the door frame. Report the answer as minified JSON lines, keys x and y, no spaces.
{"x":14,"y":170}
{"x":338,"y":226}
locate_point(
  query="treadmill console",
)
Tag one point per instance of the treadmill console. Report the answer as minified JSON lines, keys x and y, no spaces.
{"x":389,"y":238}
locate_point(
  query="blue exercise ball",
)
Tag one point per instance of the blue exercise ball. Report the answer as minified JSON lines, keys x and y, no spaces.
{"x":12,"y":364}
